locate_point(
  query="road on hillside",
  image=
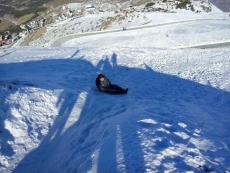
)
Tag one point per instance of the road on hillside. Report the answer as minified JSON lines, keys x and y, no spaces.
{"x":61,"y":40}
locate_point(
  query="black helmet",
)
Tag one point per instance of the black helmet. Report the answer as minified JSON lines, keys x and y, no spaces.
{"x":101,"y":75}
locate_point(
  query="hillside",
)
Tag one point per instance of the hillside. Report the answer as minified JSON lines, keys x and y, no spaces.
{"x":175,"y":117}
{"x":13,"y":11}
{"x":14,"y":14}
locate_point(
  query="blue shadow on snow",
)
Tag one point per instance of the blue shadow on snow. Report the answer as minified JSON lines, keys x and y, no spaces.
{"x":73,"y":149}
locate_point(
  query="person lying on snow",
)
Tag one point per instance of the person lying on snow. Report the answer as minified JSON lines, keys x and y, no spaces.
{"x":104,"y":85}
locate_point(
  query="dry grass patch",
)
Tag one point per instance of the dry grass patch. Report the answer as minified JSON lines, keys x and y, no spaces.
{"x":57,"y":3}
{"x":34,"y":36}
{"x":105,"y":24}
{"x":5,"y":24}
{"x":25,"y":18}
{"x":141,"y":2}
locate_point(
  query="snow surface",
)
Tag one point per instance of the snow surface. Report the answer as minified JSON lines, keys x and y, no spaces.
{"x":160,"y":24}
{"x":175,"y":117}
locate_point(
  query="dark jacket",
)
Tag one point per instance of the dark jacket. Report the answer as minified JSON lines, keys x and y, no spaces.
{"x":103,"y":86}
{"x":107,"y":87}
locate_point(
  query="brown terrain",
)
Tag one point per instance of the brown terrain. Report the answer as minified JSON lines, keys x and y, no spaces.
{"x":14,"y":13}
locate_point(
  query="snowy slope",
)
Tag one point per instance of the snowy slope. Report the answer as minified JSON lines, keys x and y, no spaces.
{"x":175,"y":117}
{"x":110,"y":22}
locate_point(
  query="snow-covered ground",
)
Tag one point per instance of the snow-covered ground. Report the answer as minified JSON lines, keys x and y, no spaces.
{"x":157,"y":22}
{"x":175,"y":117}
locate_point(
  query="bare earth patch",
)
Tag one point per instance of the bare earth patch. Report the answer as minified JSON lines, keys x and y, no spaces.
{"x":25,"y":18}
{"x":34,"y":36}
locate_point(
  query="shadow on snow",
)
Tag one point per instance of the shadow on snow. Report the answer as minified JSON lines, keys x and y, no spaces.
{"x":108,"y":126}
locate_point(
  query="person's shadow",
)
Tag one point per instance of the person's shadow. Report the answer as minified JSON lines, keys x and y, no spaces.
{"x":114,"y":60}
{"x":92,"y":126}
